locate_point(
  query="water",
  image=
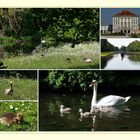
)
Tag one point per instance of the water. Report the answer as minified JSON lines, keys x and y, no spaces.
{"x":115,"y":61}
{"x":123,"y":118}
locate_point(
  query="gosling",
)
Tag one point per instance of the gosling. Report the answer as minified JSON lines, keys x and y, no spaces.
{"x":64,"y":110}
{"x":9,"y":91}
{"x":85,"y":114}
{"x":11,"y":118}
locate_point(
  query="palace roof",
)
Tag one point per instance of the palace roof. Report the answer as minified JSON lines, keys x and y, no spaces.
{"x":125,"y":13}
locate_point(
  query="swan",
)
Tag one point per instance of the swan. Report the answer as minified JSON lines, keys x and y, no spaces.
{"x":10,"y":118}
{"x":85,"y":114}
{"x":9,"y":91}
{"x":110,"y":100}
{"x":64,"y":110}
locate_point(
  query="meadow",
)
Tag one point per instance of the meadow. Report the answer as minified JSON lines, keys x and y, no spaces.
{"x":29,"y":110}
{"x":62,"y":57}
{"x":23,"y":89}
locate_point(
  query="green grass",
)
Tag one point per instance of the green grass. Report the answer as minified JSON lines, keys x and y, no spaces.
{"x":104,"y":54}
{"x":24,"y":89}
{"x":29,"y":110}
{"x":56,"y":58}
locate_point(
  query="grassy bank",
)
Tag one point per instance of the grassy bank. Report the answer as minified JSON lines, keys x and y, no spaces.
{"x":23,"y":89}
{"x":136,"y":53}
{"x":29,"y":110}
{"x":60,"y":57}
{"x":104,"y":54}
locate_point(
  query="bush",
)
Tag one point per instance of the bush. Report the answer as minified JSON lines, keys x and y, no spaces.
{"x":20,"y":45}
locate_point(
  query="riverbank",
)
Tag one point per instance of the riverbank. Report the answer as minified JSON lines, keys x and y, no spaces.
{"x":104,"y":54}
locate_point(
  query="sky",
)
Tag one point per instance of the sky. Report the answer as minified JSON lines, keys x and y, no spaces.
{"x":121,"y":42}
{"x":106,"y":14}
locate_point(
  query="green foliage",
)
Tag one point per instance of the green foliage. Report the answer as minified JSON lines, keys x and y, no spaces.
{"x":52,"y":24}
{"x":135,"y":35}
{"x":71,"y":79}
{"x":21,"y":45}
{"x":82,"y":79}
{"x":30,"y":74}
{"x":123,"y":48}
{"x":107,"y":47}
{"x":29,"y":110}
{"x":134,"y":46}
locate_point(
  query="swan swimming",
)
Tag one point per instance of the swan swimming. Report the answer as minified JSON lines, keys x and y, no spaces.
{"x":110,"y":100}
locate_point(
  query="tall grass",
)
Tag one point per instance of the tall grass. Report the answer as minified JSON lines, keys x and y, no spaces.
{"x":57,"y":58}
{"x":29,"y":110}
{"x":24,"y":89}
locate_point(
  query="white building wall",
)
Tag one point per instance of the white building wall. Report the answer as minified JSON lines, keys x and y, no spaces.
{"x":104,"y":29}
{"x":125,"y":24}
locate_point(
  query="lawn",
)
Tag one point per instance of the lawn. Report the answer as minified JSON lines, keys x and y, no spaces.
{"x":62,"y":57}
{"x":23,"y":89}
{"x":29,"y":110}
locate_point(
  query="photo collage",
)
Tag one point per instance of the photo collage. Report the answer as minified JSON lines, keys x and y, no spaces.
{"x":69,"y":69}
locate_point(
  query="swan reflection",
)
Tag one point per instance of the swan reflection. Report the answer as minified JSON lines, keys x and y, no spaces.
{"x":112,"y":111}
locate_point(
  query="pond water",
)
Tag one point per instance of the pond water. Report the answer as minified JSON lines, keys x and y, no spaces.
{"x":116,"y":61}
{"x":122,"y":118}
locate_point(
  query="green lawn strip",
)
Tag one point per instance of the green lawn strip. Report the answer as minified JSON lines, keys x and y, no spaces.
{"x":24,"y":89}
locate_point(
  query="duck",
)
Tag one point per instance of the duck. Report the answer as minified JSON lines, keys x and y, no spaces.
{"x":11,"y":118}
{"x":65,"y":110}
{"x":85,"y":114}
{"x":110,"y":100}
{"x":9,"y":91}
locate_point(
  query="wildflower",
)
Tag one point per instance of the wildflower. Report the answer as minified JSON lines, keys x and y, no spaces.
{"x":16,"y":108}
{"x":11,"y":107}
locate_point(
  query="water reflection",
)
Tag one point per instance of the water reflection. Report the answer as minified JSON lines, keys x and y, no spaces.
{"x":122,"y":56}
{"x":119,"y":118}
{"x":124,"y":62}
{"x":104,"y":60}
{"x":112,"y":112}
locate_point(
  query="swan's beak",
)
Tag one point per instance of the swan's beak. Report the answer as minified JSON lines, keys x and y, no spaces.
{"x":92,"y":83}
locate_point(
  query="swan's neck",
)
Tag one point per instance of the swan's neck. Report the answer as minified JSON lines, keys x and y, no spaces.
{"x":94,"y":98}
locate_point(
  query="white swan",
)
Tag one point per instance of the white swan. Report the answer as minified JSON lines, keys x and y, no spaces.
{"x":64,"y":110}
{"x":110,"y":100}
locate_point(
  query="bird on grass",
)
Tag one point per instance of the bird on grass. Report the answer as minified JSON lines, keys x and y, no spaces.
{"x":87,"y":60}
{"x":11,"y":118}
{"x":9,"y":91}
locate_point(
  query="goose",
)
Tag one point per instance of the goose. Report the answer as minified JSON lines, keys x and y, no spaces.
{"x":64,"y":110}
{"x":110,"y":100}
{"x":10,"y":118}
{"x":85,"y":114}
{"x":9,"y":91}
